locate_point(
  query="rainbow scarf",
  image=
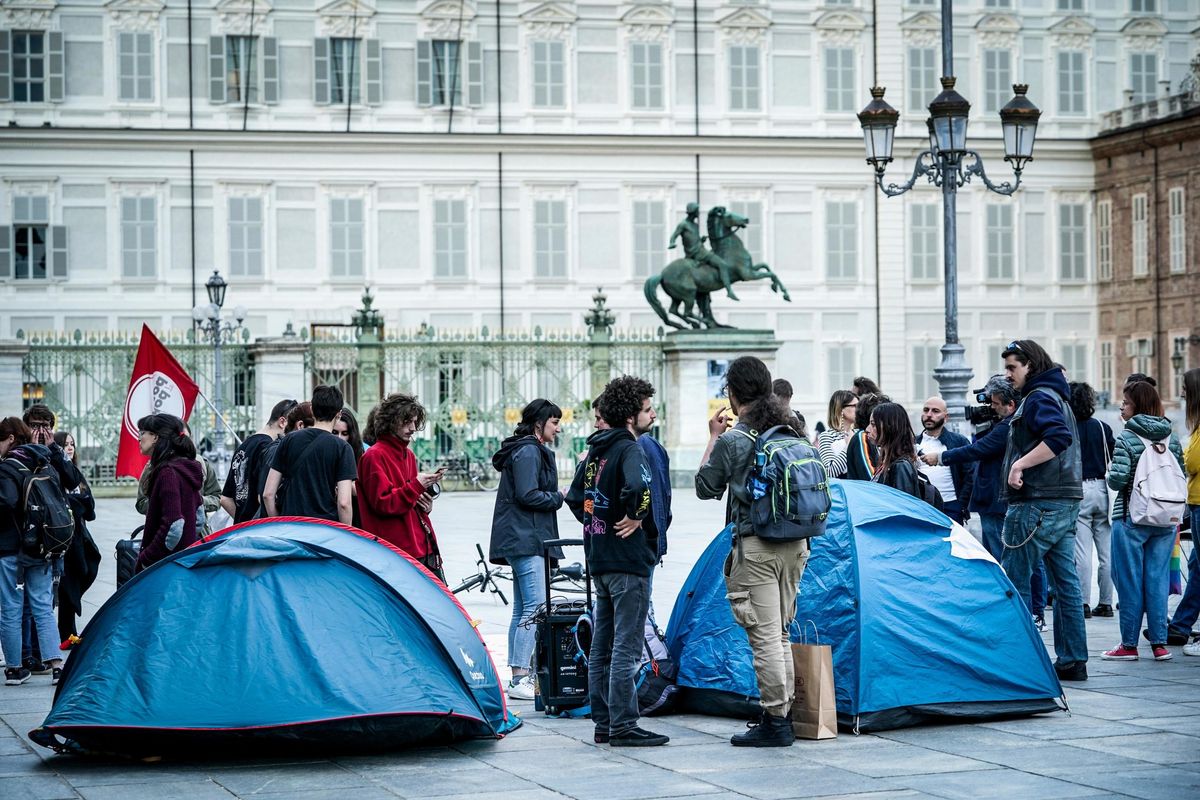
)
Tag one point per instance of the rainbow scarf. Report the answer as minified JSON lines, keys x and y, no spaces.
{"x":1176,"y":567}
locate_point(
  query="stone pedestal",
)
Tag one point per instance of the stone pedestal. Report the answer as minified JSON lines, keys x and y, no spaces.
{"x":12,"y":375}
{"x":278,"y":372}
{"x":689,"y":388}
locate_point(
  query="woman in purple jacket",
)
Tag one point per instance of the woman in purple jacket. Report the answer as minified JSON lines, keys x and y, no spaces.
{"x":175,"y":478}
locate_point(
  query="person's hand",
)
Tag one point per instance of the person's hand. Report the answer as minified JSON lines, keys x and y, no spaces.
{"x":1016,"y":476}
{"x":930,"y":458}
{"x":719,"y":422}
{"x":42,"y":435}
{"x":428,"y":479}
{"x":626,"y":527}
{"x":563,"y":490}
{"x":582,"y":457}
{"x":425,"y":503}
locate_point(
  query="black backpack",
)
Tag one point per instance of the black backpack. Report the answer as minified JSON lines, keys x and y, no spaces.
{"x":788,"y":486}
{"x":44,"y":517}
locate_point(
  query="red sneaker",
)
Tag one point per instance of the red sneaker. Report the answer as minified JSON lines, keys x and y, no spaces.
{"x":1121,"y":653}
{"x":1161,"y":653}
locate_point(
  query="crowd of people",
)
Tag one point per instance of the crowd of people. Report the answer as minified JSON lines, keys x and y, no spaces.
{"x":1037,"y":475}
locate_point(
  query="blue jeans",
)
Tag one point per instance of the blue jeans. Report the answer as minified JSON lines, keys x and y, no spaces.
{"x":1044,"y":530}
{"x":1141,"y":562}
{"x":993,"y":527}
{"x":954,"y":510}
{"x":21,"y":577}
{"x":618,"y":638}
{"x":529,"y":592}
{"x":1188,"y":609}
{"x":1037,"y":590}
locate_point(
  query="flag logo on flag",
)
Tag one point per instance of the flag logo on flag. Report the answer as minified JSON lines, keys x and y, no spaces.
{"x":155,"y":393}
{"x":158,"y":385}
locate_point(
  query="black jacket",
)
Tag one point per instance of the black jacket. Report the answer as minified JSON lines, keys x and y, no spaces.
{"x":81,"y":562}
{"x":987,"y":453}
{"x":1045,"y":416}
{"x":613,"y":483}
{"x":10,"y":487}
{"x":526,"y":500}
{"x":902,"y":475}
{"x":962,"y":474}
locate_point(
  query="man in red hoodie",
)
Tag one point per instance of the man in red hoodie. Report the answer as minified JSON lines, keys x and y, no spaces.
{"x":393,"y":497}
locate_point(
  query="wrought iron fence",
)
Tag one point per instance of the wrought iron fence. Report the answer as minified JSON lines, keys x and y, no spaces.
{"x":83,"y":378}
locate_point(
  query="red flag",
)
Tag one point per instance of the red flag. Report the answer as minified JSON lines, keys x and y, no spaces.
{"x":158,"y":386}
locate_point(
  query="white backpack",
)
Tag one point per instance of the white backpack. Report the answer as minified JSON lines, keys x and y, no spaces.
{"x":1159,"y":492}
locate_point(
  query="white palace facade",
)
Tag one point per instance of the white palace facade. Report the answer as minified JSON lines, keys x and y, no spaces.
{"x":468,"y":159}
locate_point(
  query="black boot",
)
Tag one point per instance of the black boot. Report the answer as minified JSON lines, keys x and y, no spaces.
{"x":768,"y":731}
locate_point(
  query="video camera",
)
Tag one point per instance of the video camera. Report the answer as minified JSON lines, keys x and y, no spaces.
{"x":982,"y":414}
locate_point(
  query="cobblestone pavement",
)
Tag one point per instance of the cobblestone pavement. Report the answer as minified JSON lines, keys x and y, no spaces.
{"x":1134,"y":730}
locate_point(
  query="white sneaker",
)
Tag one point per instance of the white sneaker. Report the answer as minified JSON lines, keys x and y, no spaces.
{"x":1192,"y":648}
{"x":522,"y":689}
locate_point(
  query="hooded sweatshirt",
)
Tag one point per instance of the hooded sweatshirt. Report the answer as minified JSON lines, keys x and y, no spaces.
{"x":613,"y":483}
{"x":1044,"y":416}
{"x":11,"y":508}
{"x":171,"y":516}
{"x":526,"y":500}
{"x":1128,"y":451}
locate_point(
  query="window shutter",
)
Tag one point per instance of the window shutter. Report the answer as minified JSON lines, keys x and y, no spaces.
{"x":5,"y":68}
{"x":216,"y":69}
{"x":6,"y":251}
{"x":321,"y":72}
{"x":474,"y":74}
{"x":270,"y":70}
{"x":374,"y":73}
{"x":56,"y":68}
{"x":58,"y":252}
{"x":424,"y":72}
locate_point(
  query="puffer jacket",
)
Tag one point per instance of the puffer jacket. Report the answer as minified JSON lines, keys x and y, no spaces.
{"x":1130,"y":448}
{"x":526,"y":501}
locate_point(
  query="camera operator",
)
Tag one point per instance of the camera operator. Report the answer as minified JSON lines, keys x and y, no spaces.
{"x":988,"y":454}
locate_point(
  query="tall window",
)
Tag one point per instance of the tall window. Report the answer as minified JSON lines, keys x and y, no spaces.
{"x":1107,"y":369}
{"x":1071,"y":93}
{"x":843,"y":366}
{"x":1141,"y":266}
{"x":923,"y":242}
{"x":840,"y":83}
{"x":649,"y":236}
{"x":135,"y":67}
{"x":1000,"y":252}
{"x":752,"y":234}
{"x":550,"y":238}
{"x":1178,"y":236}
{"x":1143,"y":76}
{"x":1072,"y":242}
{"x":1074,"y":358}
{"x":346,"y":237}
{"x":450,"y":238}
{"x":1104,"y":240}
{"x":925,"y":359}
{"x":137,"y":237}
{"x":1142,"y":351}
{"x":997,"y":79}
{"x":245,"y":236}
{"x":841,"y":240}
{"x":31,"y":227}
{"x":240,"y":69}
{"x":28,"y":67}
{"x":447,"y":75}
{"x":549,"y":70}
{"x":344,"y":71}
{"x":646,"y":76}
{"x":744,"y":78}
{"x":922,"y":78}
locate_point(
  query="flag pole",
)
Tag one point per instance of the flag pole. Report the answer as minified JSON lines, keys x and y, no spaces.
{"x":221,"y":417}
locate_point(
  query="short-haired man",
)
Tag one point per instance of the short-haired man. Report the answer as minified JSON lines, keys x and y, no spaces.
{"x":954,"y":482}
{"x":611,"y":496}
{"x":319,"y":467}
{"x":1044,"y":485}
{"x":394,"y":497}
{"x":240,"y":497}
{"x":783,"y":390}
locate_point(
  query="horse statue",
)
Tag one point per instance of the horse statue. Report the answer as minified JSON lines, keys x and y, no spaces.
{"x":690,"y":281}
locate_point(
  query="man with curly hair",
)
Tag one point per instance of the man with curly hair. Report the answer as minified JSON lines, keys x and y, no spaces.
{"x":393,"y":496}
{"x":611,"y":497}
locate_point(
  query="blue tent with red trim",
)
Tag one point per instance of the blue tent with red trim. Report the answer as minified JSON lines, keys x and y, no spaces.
{"x":279,"y":634}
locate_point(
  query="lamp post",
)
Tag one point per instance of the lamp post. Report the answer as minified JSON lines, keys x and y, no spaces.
{"x":949,"y":164}
{"x":208,"y":320}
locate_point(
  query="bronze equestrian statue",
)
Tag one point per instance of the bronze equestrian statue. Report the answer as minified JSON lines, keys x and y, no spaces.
{"x":690,"y":281}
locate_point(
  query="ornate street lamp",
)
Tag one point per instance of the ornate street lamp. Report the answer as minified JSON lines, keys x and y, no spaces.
{"x":948,"y":163}
{"x":209,"y":322}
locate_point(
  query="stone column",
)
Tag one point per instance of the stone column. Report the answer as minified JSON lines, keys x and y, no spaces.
{"x":12,"y":376}
{"x":279,"y":372}
{"x":692,"y":397}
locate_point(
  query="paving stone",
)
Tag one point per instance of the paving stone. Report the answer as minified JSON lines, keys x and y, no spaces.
{"x":798,"y":781}
{"x":257,"y":780}
{"x":18,"y":765}
{"x":698,"y":759}
{"x":466,"y":780}
{"x":1187,"y":726}
{"x":36,"y":787}
{"x":358,"y":793}
{"x":1159,"y":748}
{"x":1114,"y":707}
{"x":525,"y":794}
{"x":1161,"y":691}
{"x":173,"y":790}
{"x":892,"y":759}
{"x":1153,"y":784}
{"x":1058,"y":726}
{"x":988,"y":784}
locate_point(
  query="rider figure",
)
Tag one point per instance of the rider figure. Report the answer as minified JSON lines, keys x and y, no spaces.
{"x":693,"y":247}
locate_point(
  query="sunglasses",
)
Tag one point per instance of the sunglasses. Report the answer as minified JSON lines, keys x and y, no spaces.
{"x":1014,"y":346}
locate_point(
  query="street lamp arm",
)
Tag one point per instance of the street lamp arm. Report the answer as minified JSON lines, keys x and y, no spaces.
{"x":919,"y":169}
{"x":976,"y":168}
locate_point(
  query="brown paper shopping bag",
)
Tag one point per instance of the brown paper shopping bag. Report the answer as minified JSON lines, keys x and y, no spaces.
{"x":814,"y":712}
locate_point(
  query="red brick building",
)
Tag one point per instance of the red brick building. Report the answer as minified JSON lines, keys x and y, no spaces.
{"x":1147,"y":224}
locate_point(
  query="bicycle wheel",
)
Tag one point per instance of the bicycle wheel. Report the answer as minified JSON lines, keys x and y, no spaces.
{"x":483,"y":477}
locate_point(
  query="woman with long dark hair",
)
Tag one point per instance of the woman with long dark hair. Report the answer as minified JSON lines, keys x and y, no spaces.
{"x":173,"y":481}
{"x":346,"y":427}
{"x":1189,"y":605}
{"x":1141,"y":553}
{"x":891,"y":431}
{"x":526,"y":503}
{"x":81,"y":562}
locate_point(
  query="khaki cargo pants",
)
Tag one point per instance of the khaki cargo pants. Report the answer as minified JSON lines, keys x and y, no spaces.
{"x":761,"y":579}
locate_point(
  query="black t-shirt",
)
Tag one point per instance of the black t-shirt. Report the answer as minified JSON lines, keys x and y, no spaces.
{"x":313,"y":461}
{"x":241,"y":483}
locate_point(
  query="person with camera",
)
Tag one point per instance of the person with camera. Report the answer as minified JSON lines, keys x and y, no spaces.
{"x":1044,"y":486}
{"x":953,"y":481}
{"x":394,"y":497}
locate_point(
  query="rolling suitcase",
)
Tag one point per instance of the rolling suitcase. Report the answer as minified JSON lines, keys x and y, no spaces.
{"x":560,"y":660}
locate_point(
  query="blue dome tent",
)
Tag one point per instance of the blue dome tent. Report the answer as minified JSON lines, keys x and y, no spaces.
{"x":279,"y":634}
{"x":923,"y":622}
